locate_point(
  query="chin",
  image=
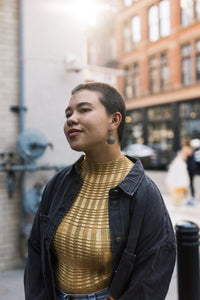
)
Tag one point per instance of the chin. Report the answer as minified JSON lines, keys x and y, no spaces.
{"x":77,"y":148}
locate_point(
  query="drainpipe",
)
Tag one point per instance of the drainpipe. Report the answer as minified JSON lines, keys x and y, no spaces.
{"x":21,"y":114}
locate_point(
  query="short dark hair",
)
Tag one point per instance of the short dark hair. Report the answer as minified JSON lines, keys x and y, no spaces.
{"x":110,"y":98}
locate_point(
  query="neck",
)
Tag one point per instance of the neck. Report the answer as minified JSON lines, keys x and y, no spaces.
{"x":112,"y":152}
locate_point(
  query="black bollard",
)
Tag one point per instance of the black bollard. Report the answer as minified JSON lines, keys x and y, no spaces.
{"x":187,"y":236}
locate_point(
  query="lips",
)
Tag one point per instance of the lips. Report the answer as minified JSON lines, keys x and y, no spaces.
{"x":73,"y":132}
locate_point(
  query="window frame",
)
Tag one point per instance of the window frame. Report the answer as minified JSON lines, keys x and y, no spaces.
{"x":156,"y":69}
{"x":158,"y":22}
{"x":186,"y":60}
{"x":197,"y":60}
{"x":194,"y":13}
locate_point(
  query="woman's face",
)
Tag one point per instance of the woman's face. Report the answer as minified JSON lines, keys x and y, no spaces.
{"x":88,"y":124}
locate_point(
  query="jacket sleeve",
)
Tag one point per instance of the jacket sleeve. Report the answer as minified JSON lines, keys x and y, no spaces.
{"x":33,"y":276}
{"x":155,"y":252}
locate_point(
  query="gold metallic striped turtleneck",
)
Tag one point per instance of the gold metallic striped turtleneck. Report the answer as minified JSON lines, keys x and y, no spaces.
{"x":82,"y":243}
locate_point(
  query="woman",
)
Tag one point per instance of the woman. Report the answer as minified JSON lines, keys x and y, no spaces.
{"x":102,"y":230}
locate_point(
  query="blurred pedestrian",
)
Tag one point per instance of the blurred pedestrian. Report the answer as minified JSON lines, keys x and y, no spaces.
{"x":177,"y":178}
{"x":192,"y":170}
{"x":102,"y":230}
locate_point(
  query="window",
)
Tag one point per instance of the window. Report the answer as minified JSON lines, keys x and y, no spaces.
{"x":190,"y":62}
{"x":158,"y":73}
{"x":160,"y":129}
{"x":127,"y":37}
{"x":197,"y":10}
{"x":164,"y":72}
{"x":134,"y":127}
{"x":132,"y":84}
{"x":153,"y":24}
{"x":128,"y":89}
{"x":153,"y":75}
{"x":136,"y":80}
{"x":190,"y":120}
{"x":190,"y":11}
{"x":131,"y":33}
{"x":186,"y":12}
{"x":127,"y":3}
{"x":164,"y":9}
{"x":159,"y":20}
{"x":136,"y":31}
{"x":197,"y":50}
{"x":186,"y":64}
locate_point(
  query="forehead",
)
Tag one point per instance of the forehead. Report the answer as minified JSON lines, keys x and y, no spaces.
{"x":82,"y":95}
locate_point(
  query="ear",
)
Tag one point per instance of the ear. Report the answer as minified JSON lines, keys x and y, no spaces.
{"x":115,"y":120}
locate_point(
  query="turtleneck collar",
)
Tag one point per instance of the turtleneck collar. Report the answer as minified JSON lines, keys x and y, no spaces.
{"x":113,"y":166}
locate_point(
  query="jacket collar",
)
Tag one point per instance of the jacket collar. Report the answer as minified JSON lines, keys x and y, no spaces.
{"x":132,"y":181}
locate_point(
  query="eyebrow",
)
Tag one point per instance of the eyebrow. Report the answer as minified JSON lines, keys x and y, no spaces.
{"x":78,"y":106}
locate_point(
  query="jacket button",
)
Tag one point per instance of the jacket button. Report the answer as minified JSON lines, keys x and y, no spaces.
{"x":118,"y":239}
{"x":115,"y":191}
{"x":114,"y":203}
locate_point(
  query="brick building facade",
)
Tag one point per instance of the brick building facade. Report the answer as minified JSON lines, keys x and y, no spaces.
{"x":9,"y":128}
{"x":159,"y":50}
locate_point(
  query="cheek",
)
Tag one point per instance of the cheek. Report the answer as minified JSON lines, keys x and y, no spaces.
{"x":65,"y":128}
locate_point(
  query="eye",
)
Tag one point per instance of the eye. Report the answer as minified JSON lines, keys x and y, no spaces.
{"x":68,"y":115}
{"x":85,"y":109}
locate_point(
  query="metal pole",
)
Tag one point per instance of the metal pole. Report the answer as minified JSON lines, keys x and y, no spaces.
{"x":21,"y":112}
{"x":187,"y":235}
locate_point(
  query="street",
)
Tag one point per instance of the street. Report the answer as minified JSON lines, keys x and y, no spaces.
{"x":11,"y":282}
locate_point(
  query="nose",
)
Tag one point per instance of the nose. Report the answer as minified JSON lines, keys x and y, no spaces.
{"x":72,"y":119}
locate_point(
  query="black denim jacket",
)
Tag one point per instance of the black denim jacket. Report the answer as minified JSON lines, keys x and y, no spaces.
{"x":142,"y":237}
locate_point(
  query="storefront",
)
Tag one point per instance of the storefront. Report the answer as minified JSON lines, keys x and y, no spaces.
{"x":163,"y":127}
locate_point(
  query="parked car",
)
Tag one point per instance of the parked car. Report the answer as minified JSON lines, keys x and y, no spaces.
{"x":145,"y":153}
{"x":150,"y":158}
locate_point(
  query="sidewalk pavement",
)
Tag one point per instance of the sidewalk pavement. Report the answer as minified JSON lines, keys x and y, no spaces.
{"x":11,"y":282}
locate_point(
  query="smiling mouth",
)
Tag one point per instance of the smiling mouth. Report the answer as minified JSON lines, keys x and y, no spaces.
{"x":73,"y":132}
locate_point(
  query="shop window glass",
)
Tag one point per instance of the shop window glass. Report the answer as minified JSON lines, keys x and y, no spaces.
{"x":187,"y":7}
{"x":164,"y":10}
{"x":187,"y":110}
{"x":159,"y":113}
{"x":134,"y":128}
{"x":160,"y":132}
{"x":153,"y":24}
{"x":136,"y":30}
{"x":190,"y":120}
